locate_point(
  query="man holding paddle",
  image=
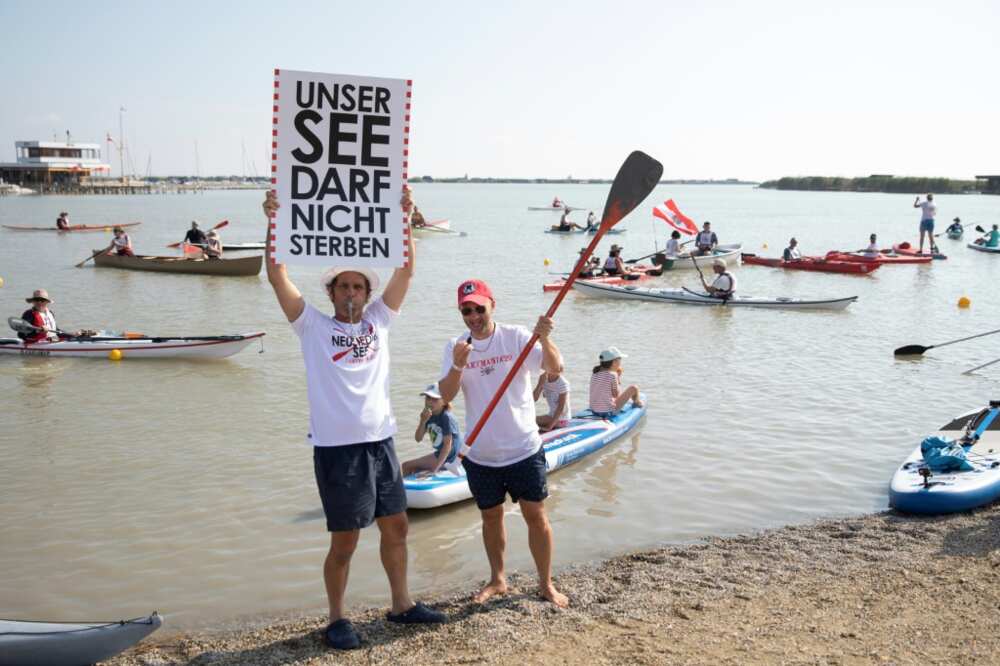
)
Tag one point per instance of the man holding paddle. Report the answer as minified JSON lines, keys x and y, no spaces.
{"x":351,"y":425}
{"x":508,"y":458}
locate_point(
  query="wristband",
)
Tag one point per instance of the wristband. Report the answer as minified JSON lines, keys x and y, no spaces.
{"x":455,"y":367}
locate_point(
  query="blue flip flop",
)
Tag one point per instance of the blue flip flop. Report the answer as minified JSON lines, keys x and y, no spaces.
{"x":419,"y":614}
{"x":340,"y":635}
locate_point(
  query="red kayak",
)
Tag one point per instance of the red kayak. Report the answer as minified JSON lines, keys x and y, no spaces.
{"x":813,"y":264}
{"x":606,"y":279}
{"x":74,"y":227}
{"x":882,"y":259}
{"x":908,"y":250}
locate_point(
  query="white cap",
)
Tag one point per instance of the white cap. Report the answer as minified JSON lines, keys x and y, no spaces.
{"x":720,"y":263}
{"x":610,"y":354}
{"x":432,"y":391}
{"x":371,"y":275}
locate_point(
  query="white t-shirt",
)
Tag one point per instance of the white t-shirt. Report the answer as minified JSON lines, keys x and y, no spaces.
{"x":347,"y":376}
{"x":872,"y":249}
{"x":511,"y":434}
{"x":673,"y":248}
{"x":551,"y":392}
{"x":927,"y":210}
{"x":792,"y":253}
{"x":49,"y":322}
{"x":120,"y":242}
{"x":725,"y":282}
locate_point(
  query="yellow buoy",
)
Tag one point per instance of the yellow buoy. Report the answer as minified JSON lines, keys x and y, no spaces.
{"x":1,"y":282}
{"x":765,"y":246}
{"x":107,"y":229}
{"x":964,"y":302}
{"x":115,"y":354}
{"x":547,"y":262}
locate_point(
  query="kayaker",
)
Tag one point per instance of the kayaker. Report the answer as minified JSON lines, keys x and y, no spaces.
{"x":555,"y":389}
{"x":41,"y":316}
{"x":557,"y":202}
{"x":213,"y":245}
{"x":872,"y":249}
{"x":591,"y":221}
{"x":614,"y":265}
{"x":991,"y":239}
{"x":437,"y":420}
{"x":674,"y":244}
{"x":351,"y":425}
{"x":955,"y":227}
{"x":592,"y":267}
{"x":606,"y":395}
{"x":724,"y":284}
{"x":706,"y":240}
{"x":792,"y":252}
{"x":62,"y":222}
{"x":121,"y":244}
{"x":194,"y":235}
{"x":928,"y":211}
{"x":507,"y":458}
{"x":417,"y":220}
{"x":565,"y":224}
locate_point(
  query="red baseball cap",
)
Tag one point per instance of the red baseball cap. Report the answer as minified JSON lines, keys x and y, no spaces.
{"x":475,"y":291}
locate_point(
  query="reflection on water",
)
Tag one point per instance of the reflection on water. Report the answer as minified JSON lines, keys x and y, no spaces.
{"x":186,"y":486}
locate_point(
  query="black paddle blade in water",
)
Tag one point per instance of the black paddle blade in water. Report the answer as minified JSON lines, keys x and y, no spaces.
{"x":636,"y":178}
{"x":911,"y":350}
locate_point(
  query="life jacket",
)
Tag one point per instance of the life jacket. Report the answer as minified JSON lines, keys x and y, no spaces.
{"x":34,"y":318}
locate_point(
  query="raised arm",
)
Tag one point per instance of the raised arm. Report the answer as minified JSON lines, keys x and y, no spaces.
{"x":289,"y":297}
{"x":451,"y":382}
{"x":399,"y":283}
{"x":551,"y":358}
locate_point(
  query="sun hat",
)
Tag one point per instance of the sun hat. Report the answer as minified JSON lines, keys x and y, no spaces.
{"x":720,"y":263}
{"x":616,"y":246}
{"x":213,"y":233}
{"x":370,"y":275}
{"x":610,"y":354}
{"x":475,"y":291}
{"x":39,"y":295}
{"x":432,"y":391}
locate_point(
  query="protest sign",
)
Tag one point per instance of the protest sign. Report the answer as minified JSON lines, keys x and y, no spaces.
{"x":340,"y":153}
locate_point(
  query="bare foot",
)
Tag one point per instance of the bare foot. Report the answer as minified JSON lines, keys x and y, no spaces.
{"x":494,"y":588}
{"x":550,"y":593}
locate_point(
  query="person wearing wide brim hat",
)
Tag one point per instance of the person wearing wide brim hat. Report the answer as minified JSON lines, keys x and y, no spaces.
{"x":351,"y":424}
{"x":724,"y":285}
{"x":213,"y":245}
{"x":40,"y":316}
{"x":614,"y":265}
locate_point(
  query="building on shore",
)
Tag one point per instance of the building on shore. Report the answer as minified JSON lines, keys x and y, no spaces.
{"x":53,"y":166}
{"x":992,"y":184}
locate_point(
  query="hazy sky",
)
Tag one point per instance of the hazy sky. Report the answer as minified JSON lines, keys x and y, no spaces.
{"x":545,"y":89}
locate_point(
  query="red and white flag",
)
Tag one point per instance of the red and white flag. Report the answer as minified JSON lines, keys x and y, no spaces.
{"x":670,"y":214}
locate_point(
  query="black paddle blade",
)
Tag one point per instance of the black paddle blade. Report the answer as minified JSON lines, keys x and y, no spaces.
{"x":636,"y":178}
{"x":980,"y":229}
{"x":911,"y":350}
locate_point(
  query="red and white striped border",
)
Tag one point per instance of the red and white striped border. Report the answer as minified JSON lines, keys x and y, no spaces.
{"x":274,"y":154}
{"x":406,"y":170}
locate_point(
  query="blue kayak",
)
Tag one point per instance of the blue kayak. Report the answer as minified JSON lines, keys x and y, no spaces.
{"x":584,"y":434}
{"x":917,"y":487}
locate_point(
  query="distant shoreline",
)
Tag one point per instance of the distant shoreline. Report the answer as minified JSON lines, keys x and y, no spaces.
{"x":878,"y":183}
{"x":569,"y":181}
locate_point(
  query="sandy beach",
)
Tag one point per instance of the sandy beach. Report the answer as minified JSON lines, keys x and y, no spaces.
{"x":877,"y":589}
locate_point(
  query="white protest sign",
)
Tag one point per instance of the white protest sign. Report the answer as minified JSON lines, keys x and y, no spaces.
{"x":340,"y":158}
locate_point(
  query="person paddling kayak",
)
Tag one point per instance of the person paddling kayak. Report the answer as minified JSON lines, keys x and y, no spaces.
{"x":194,"y":235}
{"x":417,"y":220}
{"x":121,"y":244}
{"x":614,"y":265}
{"x":62,"y":222}
{"x":792,"y":252}
{"x":565,"y":224}
{"x":872,"y":249}
{"x":213,"y":245}
{"x":557,"y":203}
{"x":40,"y":316}
{"x":591,"y":221}
{"x":724,"y":285}
{"x":955,"y":227}
{"x":991,"y":239}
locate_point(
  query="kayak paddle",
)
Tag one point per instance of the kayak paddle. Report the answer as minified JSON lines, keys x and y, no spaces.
{"x":636,"y":178}
{"x":980,"y":367}
{"x":218,"y":226}
{"x":101,"y":251}
{"x":916,"y":350}
{"x":633,"y":261}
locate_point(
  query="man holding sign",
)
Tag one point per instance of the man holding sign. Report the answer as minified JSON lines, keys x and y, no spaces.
{"x":339,"y":159}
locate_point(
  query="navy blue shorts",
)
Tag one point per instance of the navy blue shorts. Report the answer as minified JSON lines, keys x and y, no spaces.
{"x":358,"y":483}
{"x":524,"y":479}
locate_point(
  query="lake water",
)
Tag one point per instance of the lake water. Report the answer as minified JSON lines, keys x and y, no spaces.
{"x":186,"y":487}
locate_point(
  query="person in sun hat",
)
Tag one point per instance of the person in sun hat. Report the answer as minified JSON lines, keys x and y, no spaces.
{"x":507,"y":458}
{"x":437,"y":421}
{"x":614,"y":265}
{"x":213,"y":245}
{"x":724,"y":284}
{"x":351,"y":424}
{"x":40,"y":316}
{"x":606,"y":395}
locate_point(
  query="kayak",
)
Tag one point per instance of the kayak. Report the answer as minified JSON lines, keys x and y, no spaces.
{"x":947,"y":492}
{"x":585,"y":434}
{"x":214,"y":346}
{"x":583,"y":231}
{"x":74,"y":227}
{"x":907,"y":250}
{"x":555,"y":208}
{"x":732,"y":253}
{"x":640,"y":270}
{"x":955,"y":235}
{"x":436,"y":228}
{"x":812,"y":264}
{"x":243,"y":266}
{"x":25,"y":643}
{"x":979,"y":247}
{"x":882,"y":259}
{"x":687,"y":297}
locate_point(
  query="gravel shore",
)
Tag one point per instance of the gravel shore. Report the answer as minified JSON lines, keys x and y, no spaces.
{"x":878,"y":589}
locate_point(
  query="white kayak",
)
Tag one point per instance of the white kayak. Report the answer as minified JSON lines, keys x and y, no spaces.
{"x":558,"y":209}
{"x":436,"y":228}
{"x":217,"y":346}
{"x":570,"y":232}
{"x":982,"y":248}
{"x":70,"y":644}
{"x":932,"y":492}
{"x":585,"y":434}
{"x":688,"y":297}
{"x":732,"y":253}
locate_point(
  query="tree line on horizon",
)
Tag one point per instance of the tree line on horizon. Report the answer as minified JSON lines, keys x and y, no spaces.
{"x":876,"y":183}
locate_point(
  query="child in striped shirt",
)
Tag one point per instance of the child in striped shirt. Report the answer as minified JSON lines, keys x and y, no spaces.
{"x":606,"y":396}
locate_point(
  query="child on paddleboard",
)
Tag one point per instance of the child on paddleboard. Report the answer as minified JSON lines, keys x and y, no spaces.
{"x":555,"y":389}
{"x":606,"y":396}
{"x":437,"y":420}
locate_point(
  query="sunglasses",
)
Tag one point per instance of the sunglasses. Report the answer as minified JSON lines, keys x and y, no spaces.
{"x":479,"y":309}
